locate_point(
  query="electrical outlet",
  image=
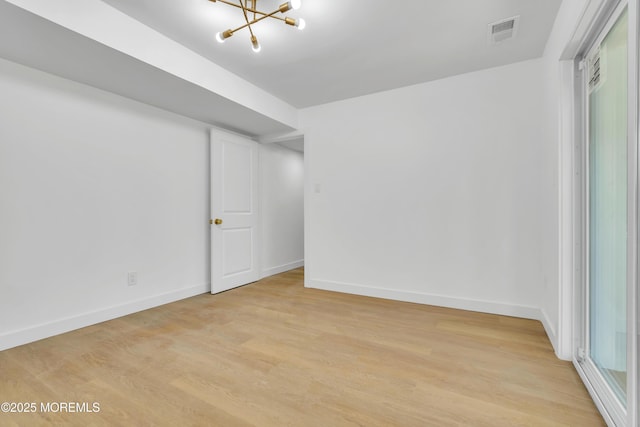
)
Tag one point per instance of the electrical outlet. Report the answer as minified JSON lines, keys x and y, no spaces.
{"x":132,"y":278}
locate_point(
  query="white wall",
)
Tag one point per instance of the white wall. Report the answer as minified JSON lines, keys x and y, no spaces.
{"x":282,"y":196}
{"x":435,"y":193}
{"x":92,"y":186}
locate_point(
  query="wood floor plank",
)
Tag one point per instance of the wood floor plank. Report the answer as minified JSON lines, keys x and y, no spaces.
{"x":274,"y":353}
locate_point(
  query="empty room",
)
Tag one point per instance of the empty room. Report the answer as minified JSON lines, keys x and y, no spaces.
{"x":319,"y":213}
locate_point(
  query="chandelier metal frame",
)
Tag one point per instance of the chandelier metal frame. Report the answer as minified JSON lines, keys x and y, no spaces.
{"x":249,"y":10}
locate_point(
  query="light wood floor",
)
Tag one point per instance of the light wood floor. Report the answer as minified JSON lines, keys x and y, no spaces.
{"x":276,"y":354}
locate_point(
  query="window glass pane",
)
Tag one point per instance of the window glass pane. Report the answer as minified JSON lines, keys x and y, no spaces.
{"x":608,"y":208}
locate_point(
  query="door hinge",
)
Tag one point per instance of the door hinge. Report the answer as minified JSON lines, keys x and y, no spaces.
{"x":210,"y":222}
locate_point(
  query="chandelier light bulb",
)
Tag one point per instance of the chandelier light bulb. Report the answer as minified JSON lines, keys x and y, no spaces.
{"x":221,"y":37}
{"x":301,"y":23}
{"x":255,"y":45}
{"x":295,"y":4}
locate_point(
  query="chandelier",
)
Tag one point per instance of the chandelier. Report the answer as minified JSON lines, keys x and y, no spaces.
{"x":252,"y":16}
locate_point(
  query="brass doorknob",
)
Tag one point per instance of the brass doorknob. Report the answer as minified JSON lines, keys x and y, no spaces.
{"x":217,"y":221}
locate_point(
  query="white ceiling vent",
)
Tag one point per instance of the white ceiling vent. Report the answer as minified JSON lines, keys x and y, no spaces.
{"x":503,"y":30}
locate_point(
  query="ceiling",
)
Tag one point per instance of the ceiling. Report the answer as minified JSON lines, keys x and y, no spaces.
{"x":296,"y":144}
{"x":352,"y":48}
{"x":29,"y":39}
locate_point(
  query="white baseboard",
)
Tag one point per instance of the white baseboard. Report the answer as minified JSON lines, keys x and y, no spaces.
{"x":551,"y":333}
{"x":60,"y":326}
{"x":281,"y":268}
{"x":515,"y":310}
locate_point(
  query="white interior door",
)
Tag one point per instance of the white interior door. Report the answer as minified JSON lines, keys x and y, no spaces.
{"x":234,"y":204}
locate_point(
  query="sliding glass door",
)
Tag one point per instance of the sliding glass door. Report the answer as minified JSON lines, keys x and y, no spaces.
{"x":608,"y":208}
{"x":605,"y":341}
